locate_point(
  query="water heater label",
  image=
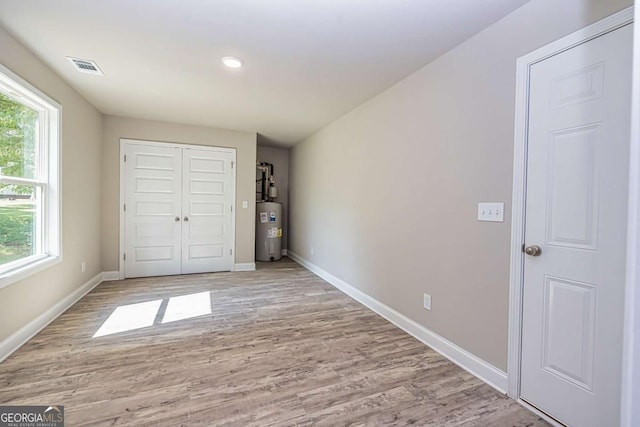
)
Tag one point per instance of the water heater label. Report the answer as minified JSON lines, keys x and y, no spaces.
{"x":272,"y":216}
{"x":272,"y":232}
{"x":263,"y":218}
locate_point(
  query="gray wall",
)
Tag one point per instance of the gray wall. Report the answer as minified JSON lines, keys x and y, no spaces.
{"x":387,"y":195}
{"x":25,"y":300}
{"x":279,"y":157}
{"x":119,"y":127}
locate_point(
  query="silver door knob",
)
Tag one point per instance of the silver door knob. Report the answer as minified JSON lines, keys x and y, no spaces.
{"x":533,"y":250}
{"x":177,"y":219}
{"x":186,"y":218}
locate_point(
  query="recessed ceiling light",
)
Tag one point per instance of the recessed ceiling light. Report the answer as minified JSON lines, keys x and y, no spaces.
{"x":232,"y":62}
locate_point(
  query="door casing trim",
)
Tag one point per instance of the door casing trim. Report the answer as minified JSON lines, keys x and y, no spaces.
{"x":516,"y":281}
{"x":631,"y":354}
{"x":122,"y":233}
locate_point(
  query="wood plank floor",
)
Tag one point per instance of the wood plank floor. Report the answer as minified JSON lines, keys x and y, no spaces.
{"x":280,"y":347}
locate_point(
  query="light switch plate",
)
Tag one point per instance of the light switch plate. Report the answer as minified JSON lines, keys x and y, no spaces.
{"x":245,"y":204}
{"x":491,"y":212}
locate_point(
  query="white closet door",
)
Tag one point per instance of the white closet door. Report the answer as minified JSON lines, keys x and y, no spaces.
{"x":153,"y":210}
{"x":208,"y":194}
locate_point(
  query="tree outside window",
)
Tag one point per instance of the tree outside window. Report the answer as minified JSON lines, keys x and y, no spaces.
{"x":18,"y":127}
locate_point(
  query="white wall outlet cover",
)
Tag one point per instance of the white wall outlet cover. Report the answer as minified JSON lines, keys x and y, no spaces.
{"x":426,"y":302}
{"x":493,"y":212}
{"x":245,"y":204}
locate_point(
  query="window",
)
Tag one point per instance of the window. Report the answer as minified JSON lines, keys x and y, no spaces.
{"x":29,"y":179}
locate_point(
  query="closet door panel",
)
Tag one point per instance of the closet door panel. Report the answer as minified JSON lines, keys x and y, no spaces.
{"x":207,"y":206}
{"x":153,"y":200}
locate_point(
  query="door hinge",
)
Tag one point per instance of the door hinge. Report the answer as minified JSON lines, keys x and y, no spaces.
{"x":230,"y":251}
{"x":231,"y":208}
{"x":125,"y":158}
{"x":232,"y":165}
{"x":125,"y":207}
{"x":124,"y":257}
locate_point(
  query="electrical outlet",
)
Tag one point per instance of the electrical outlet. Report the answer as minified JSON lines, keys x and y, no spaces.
{"x":245,"y":204}
{"x":426,"y":302}
{"x":83,"y":266}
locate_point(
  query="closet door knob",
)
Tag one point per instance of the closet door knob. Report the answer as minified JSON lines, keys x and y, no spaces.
{"x":533,"y":250}
{"x":177,"y":219}
{"x":186,"y":218}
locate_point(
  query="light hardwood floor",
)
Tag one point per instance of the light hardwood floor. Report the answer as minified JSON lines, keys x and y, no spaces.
{"x":280,"y":347}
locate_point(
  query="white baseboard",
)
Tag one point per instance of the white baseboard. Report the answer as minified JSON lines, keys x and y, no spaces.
{"x":283,"y":252}
{"x":247,"y":266}
{"x":24,"y":334}
{"x":461,"y":357}
{"x":109,"y":276}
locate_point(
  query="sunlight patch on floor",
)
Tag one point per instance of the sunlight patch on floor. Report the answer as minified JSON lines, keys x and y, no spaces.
{"x":187,"y":306}
{"x":142,"y":315}
{"x":130,"y":317}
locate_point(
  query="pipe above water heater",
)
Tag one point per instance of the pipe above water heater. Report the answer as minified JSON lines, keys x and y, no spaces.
{"x":268,"y":190}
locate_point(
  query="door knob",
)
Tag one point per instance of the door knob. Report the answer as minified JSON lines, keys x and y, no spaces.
{"x":533,"y":250}
{"x":177,"y":219}
{"x":186,"y":218}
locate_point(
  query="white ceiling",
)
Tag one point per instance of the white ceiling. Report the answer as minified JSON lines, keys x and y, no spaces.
{"x":307,"y":62}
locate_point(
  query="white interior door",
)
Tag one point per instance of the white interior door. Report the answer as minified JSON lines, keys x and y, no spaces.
{"x":153,"y":209}
{"x":576,"y":208}
{"x":207,"y":206}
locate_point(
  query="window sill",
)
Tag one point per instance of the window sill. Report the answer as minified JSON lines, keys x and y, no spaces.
{"x":19,"y":273}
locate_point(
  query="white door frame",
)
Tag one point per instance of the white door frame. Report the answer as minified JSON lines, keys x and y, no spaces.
{"x":123,"y":142}
{"x":631,"y":353}
{"x":516,"y":284}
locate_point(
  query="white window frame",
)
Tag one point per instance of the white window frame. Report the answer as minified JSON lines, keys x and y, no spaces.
{"x":47,"y":180}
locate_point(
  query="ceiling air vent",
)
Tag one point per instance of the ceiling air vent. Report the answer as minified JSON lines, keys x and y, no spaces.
{"x":86,"y":66}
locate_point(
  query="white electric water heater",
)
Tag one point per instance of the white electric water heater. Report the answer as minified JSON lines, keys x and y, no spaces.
{"x":268,"y":231}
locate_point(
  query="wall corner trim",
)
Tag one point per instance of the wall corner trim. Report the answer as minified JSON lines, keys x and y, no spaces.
{"x":13,"y":342}
{"x":461,"y":357}
{"x":247,"y":266}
